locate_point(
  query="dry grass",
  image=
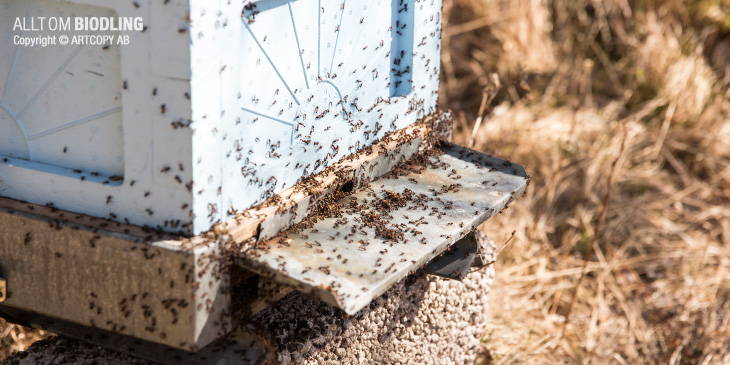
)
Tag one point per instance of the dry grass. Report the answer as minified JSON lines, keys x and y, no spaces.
{"x":579,"y":79}
{"x":568,"y":82}
{"x":14,"y":338}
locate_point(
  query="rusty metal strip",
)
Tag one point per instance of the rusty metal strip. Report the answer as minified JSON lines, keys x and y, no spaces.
{"x":390,"y":228}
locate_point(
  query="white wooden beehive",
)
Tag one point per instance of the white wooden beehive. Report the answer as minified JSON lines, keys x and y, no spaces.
{"x":214,"y":107}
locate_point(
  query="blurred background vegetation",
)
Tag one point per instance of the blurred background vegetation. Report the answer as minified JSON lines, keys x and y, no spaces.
{"x":620,"y":110}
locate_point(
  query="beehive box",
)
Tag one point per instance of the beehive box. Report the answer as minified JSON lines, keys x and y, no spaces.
{"x":211,"y":108}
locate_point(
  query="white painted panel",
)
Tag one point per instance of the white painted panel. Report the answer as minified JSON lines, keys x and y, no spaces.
{"x":170,"y":16}
{"x":57,"y":94}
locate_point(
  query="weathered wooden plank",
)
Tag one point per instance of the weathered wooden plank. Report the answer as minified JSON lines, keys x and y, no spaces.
{"x":390,"y":228}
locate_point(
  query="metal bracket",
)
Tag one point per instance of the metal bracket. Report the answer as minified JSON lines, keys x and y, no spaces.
{"x":3,"y":290}
{"x":475,"y":251}
{"x":486,"y":250}
{"x":455,"y":262}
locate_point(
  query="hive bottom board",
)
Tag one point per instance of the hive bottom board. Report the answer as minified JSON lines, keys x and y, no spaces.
{"x":423,"y":319}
